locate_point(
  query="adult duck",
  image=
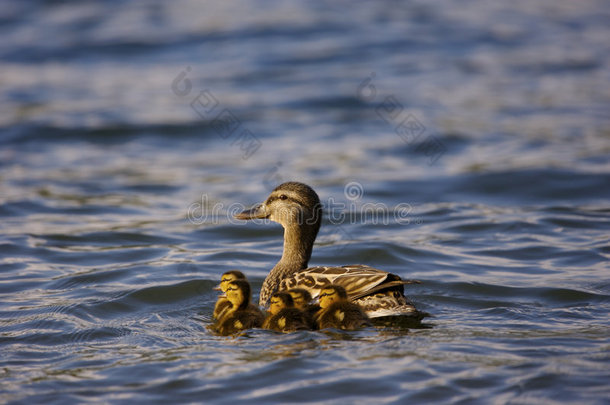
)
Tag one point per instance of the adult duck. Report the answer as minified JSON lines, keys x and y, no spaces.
{"x":296,"y":206}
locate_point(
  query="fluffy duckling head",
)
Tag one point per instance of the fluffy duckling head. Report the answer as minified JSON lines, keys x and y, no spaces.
{"x":238,"y":293}
{"x":227,"y":277}
{"x":280,"y":301}
{"x":330,"y":294}
{"x":301,"y":297}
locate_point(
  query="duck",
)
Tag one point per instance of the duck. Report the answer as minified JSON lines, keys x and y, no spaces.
{"x":337,"y":312}
{"x":222,"y":304}
{"x":283,"y":315}
{"x":303,"y":301}
{"x":296,"y":206}
{"x":242,"y":314}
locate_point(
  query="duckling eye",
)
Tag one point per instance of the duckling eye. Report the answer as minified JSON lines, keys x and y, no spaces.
{"x":283,"y":197}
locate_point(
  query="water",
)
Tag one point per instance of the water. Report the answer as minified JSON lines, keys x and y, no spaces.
{"x":464,"y":144}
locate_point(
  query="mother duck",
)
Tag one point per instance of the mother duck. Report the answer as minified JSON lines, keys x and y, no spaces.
{"x":297,"y":208}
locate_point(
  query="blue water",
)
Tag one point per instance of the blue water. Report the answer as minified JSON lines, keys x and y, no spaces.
{"x":464,"y":144}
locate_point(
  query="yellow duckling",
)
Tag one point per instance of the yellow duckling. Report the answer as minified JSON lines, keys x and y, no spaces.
{"x":223,"y":303}
{"x":337,"y":312}
{"x":302,"y":300}
{"x":283,"y":316}
{"x":242,"y":314}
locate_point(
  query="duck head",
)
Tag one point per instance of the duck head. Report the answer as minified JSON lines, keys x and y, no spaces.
{"x":280,"y":301}
{"x":330,"y":294}
{"x":301,"y":297}
{"x":289,"y":204}
{"x":295,"y":206}
{"x":227,"y":277}
{"x":238,"y":293}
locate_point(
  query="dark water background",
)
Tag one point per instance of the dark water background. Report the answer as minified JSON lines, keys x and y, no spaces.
{"x":462,"y":143}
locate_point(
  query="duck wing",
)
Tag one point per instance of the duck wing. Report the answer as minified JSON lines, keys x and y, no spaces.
{"x":379,"y":293}
{"x":382,"y":286}
{"x":358,"y":280}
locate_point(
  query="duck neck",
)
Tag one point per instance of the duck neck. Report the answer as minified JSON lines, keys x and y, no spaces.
{"x":240,"y":305}
{"x":298,"y":244}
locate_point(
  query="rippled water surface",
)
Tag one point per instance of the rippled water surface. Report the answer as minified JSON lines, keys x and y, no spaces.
{"x":463,"y":144}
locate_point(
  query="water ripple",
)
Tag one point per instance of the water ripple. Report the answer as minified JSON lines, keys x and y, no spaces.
{"x":481,"y":132}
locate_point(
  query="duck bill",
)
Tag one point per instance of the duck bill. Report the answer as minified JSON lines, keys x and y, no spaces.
{"x":257,"y":212}
{"x":217,"y":288}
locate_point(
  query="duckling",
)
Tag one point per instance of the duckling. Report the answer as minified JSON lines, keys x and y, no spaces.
{"x":337,"y":312}
{"x":283,"y":316}
{"x":302,"y":300}
{"x":242,"y":314}
{"x":223,"y":303}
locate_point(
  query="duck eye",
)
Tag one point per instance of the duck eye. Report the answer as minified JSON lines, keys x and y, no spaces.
{"x":283,"y":197}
